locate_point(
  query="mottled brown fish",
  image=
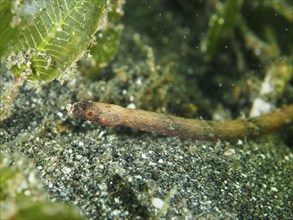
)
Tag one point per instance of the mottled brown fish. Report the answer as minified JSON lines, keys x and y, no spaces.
{"x":113,"y":115}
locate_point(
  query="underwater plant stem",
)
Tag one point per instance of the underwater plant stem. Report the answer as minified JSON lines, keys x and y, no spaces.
{"x":8,"y":99}
{"x":113,"y":115}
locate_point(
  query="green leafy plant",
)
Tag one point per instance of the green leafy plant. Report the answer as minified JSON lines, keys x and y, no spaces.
{"x":43,"y":40}
{"x":55,"y":35}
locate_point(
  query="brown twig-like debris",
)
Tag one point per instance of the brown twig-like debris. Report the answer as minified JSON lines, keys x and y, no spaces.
{"x":113,"y":115}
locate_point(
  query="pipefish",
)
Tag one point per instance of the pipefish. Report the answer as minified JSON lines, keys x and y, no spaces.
{"x":114,"y":115}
